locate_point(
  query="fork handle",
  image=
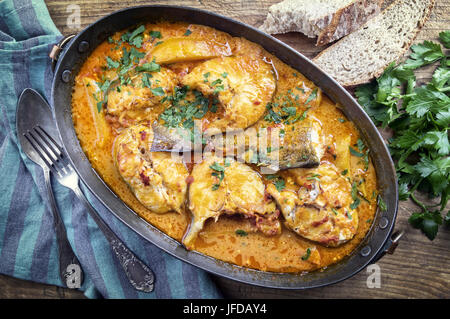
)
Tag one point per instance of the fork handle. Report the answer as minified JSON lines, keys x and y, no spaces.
{"x":140,"y":276}
{"x":70,"y":269}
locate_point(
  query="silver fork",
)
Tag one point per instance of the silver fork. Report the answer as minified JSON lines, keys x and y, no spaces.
{"x":140,"y":276}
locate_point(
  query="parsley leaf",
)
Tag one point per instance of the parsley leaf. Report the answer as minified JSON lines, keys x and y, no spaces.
{"x":427,"y":221}
{"x":355,"y":152}
{"x":149,"y":67}
{"x":312,"y":96}
{"x":111,"y":63}
{"x":134,"y":37}
{"x":219,"y":172}
{"x":280,"y":184}
{"x":277,"y":180}
{"x":241,"y":232}
{"x":423,"y":54}
{"x":159,"y":91}
{"x":444,"y":36}
{"x":307,"y":254}
{"x":155,"y":34}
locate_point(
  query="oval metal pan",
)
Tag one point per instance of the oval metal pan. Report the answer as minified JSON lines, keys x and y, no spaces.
{"x":71,"y":59}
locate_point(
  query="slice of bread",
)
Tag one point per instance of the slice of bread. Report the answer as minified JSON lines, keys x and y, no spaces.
{"x":364,"y":54}
{"x":328,"y":20}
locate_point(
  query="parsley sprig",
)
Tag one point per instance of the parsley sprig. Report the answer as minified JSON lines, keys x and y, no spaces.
{"x":277,"y":180}
{"x":184,"y":111}
{"x":219,"y":172}
{"x":419,"y":117}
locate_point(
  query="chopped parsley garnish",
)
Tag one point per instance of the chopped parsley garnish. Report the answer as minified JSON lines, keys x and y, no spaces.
{"x":183,"y":112}
{"x":314,"y":177}
{"x":363,"y":152}
{"x":334,"y":211}
{"x":148,"y":67}
{"x":356,"y":200}
{"x":355,"y":204}
{"x":300,"y":89}
{"x":272,"y":116}
{"x":241,"y":232}
{"x":111,"y":63}
{"x":277,"y":180}
{"x":305,"y":257}
{"x":103,"y":89}
{"x":159,"y":91}
{"x":155,"y":35}
{"x":312,"y":96}
{"x":217,"y":167}
{"x":303,"y":116}
{"x":187,"y":33}
{"x":146,"y":82}
{"x":280,"y":184}
{"x":381,"y":203}
{"x":355,"y":152}
{"x":341,"y":120}
{"x":291,"y":111}
{"x":134,"y":37}
{"x":219,"y":172}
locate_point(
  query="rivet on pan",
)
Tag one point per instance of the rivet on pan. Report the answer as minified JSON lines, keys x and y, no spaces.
{"x":66,"y":76}
{"x":384,"y":222}
{"x":83,"y":46}
{"x":365,"y":251}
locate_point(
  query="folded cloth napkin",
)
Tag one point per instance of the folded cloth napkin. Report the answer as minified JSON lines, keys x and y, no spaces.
{"x":28,"y":248}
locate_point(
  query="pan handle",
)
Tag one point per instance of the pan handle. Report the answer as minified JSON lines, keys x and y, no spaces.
{"x":390,"y":245}
{"x":57,"y":48}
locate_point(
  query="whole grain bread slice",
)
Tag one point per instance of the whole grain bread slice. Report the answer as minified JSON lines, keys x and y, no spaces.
{"x":328,"y":20}
{"x":364,"y":54}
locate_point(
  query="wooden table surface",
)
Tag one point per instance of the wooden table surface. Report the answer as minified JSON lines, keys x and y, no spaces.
{"x":419,"y":268}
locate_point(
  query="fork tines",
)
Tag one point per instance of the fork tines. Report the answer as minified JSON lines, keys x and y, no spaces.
{"x":49,"y":151}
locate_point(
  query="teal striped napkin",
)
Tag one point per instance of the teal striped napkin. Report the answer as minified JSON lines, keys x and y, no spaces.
{"x":28,"y":247}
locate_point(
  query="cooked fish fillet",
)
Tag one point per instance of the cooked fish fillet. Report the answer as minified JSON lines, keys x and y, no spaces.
{"x":285,"y":146}
{"x":243,"y":85}
{"x":228,"y":187}
{"x":188,"y":49}
{"x":132,"y":103}
{"x":299,"y":144}
{"x":157,"y":179}
{"x":319,"y":209}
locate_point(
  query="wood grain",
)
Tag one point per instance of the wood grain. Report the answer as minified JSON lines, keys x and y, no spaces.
{"x":419,"y":268}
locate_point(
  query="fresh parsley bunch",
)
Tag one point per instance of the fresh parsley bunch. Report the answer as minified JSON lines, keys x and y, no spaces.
{"x":419,"y":117}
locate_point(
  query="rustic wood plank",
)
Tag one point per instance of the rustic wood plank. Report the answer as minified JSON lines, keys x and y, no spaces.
{"x":419,"y":268}
{"x":13,"y":288}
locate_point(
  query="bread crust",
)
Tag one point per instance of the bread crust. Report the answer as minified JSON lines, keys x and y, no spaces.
{"x":380,"y":71}
{"x":348,"y":19}
{"x":327,"y":27}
